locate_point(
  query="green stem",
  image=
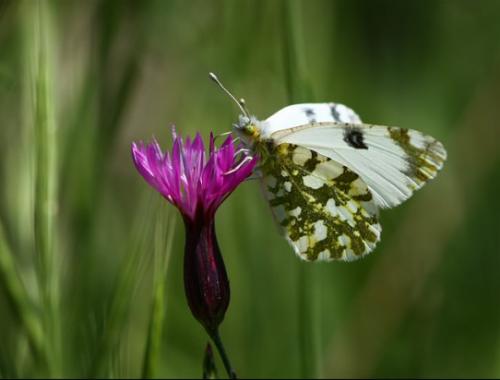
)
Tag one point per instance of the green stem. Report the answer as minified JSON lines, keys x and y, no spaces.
{"x":222,"y":352}
{"x":308,"y":281}
{"x":209,"y":369}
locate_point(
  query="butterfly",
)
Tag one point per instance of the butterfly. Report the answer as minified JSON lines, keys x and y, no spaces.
{"x":326,"y":174}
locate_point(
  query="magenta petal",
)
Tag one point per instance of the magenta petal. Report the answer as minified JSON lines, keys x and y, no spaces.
{"x":143,"y":165}
{"x":187,"y":177}
{"x":227,"y":141}
{"x":198,"y":143}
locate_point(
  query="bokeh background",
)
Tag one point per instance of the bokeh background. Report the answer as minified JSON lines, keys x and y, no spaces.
{"x":84,"y":240}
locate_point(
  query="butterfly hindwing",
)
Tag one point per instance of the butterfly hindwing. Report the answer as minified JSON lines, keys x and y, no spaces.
{"x":326,"y":211}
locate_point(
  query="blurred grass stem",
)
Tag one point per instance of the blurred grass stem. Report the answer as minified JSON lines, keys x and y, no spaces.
{"x":108,"y":343}
{"x":162,"y":253}
{"x":45,"y":173}
{"x":299,"y":90}
{"x":17,"y":298}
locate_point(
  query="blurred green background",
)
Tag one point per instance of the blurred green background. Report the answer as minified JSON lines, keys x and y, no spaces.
{"x":82,"y":236}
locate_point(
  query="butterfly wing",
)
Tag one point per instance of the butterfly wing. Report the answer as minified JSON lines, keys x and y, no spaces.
{"x":392,"y":161}
{"x":308,"y":113}
{"x":326,"y":211}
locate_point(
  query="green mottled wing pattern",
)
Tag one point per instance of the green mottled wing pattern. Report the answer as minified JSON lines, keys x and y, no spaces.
{"x":325,"y":210}
{"x":425,"y":155}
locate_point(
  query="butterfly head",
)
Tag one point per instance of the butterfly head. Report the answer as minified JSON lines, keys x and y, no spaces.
{"x":247,"y":127}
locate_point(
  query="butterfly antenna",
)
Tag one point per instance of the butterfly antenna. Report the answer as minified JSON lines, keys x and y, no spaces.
{"x":240,"y":103}
{"x":243,"y":105}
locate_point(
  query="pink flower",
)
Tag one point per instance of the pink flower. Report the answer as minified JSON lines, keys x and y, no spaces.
{"x":189,"y":179}
{"x":197,"y":184}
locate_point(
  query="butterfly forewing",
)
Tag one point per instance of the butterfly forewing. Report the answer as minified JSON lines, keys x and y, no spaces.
{"x":326,"y":211}
{"x":309,"y":113}
{"x":394,"y":162}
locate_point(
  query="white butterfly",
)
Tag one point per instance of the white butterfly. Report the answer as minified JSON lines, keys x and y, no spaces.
{"x":326,"y":174}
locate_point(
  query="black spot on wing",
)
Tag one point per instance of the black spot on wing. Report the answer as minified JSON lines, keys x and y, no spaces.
{"x":335,"y":113}
{"x":354,"y":137}
{"x":311,"y":116}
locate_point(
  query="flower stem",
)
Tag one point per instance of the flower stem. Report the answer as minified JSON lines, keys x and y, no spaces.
{"x":222,"y":352}
{"x":209,"y":369}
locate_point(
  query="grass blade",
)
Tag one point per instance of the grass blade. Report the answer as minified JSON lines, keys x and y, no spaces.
{"x":114,"y":324}
{"x":18,"y":299}
{"x":45,"y":172}
{"x":299,"y":90}
{"x":162,"y":252}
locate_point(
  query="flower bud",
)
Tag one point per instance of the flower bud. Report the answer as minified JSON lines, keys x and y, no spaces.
{"x":205,"y":279}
